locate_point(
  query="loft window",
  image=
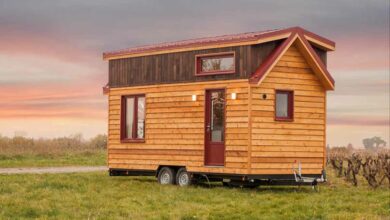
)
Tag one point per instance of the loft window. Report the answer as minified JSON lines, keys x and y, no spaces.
{"x":284,"y":105}
{"x":217,"y":63}
{"x":133,"y":118}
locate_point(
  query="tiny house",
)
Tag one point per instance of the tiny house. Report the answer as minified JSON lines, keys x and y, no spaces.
{"x":242,"y":107}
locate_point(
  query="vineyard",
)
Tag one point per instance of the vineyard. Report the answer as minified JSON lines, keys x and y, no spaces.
{"x":361,"y":165}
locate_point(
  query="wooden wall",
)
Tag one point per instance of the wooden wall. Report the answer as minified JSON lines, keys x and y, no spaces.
{"x":255,"y":142}
{"x":175,"y":128}
{"x":276,"y":145}
{"x":180,"y":67}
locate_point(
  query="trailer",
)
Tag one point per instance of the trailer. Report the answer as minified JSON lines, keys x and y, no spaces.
{"x":240,"y":109}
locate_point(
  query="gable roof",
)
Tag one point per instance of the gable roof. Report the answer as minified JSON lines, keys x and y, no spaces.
{"x":297,"y":37}
{"x":220,"y":41}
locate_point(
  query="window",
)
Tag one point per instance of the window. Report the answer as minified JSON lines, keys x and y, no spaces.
{"x":133,"y":118}
{"x":217,"y":117}
{"x":212,"y":64}
{"x":284,"y":105}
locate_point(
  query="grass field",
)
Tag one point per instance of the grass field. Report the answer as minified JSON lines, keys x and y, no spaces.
{"x":97,"y":158}
{"x":63,"y":151}
{"x":98,"y":196}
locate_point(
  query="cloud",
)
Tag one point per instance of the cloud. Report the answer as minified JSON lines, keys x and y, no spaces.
{"x":363,"y":120}
{"x":51,"y":54}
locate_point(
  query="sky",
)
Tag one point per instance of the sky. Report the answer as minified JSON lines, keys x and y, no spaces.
{"x":52,"y":72}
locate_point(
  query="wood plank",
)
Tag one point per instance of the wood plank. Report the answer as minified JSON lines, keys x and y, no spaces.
{"x":289,"y":126}
{"x":156,"y":162}
{"x":293,"y":75}
{"x":286,"y":149}
{"x":175,"y":115}
{"x":288,"y":143}
{"x":174,"y":120}
{"x":156,"y":157}
{"x":155,"y":152}
{"x":132,"y":166}
{"x":292,"y":64}
{"x":284,"y":171}
{"x":292,"y":87}
{"x":287,"y":154}
{"x":286,"y":166}
{"x":283,"y":69}
{"x":148,"y":146}
{"x":296,"y":120}
{"x":286,"y":160}
{"x":293,"y":58}
{"x":287,"y":131}
{"x":288,"y":137}
{"x":173,"y":136}
{"x":281,"y":80}
{"x":175,"y":131}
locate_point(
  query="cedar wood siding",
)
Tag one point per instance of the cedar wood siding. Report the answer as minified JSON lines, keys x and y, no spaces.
{"x":174,"y":124}
{"x":174,"y":133}
{"x":277,"y":144}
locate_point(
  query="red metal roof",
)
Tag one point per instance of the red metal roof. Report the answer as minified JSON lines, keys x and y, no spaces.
{"x":224,"y":39}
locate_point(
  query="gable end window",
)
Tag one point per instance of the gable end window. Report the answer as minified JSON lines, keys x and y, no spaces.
{"x":214,"y":64}
{"x":133,"y":118}
{"x":284,"y":105}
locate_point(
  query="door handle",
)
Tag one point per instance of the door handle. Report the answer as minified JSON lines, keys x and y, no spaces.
{"x":208,"y":128}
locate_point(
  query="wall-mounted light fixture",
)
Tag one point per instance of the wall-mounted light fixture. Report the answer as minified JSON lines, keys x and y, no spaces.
{"x":193,"y":97}
{"x":234,"y":95}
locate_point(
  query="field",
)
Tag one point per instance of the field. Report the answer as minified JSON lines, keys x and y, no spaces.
{"x":97,"y":158}
{"x":98,"y":196}
{"x":65,"y":151}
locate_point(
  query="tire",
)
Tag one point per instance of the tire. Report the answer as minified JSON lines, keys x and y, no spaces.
{"x":166,"y":176}
{"x":183,"y":178}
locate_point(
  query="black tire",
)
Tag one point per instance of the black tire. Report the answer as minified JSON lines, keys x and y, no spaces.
{"x":166,"y":176}
{"x":183,"y":178}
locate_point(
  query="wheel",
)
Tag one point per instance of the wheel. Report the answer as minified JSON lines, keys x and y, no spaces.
{"x":166,"y":175}
{"x":182,"y":177}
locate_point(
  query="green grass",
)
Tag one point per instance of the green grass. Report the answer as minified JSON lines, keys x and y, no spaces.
{"x":68,"y":159}
{"x":98,"y":196}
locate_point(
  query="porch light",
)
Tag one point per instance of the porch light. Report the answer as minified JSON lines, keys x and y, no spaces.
{"x":193,"y":97}
{"x":234,"y":95}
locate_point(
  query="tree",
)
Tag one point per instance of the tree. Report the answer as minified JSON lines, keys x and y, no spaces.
{"x":373,"y":143}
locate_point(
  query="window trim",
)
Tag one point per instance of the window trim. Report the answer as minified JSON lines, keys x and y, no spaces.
{"x":199,"y":57}
{"x":290,"y":105}
{"x":123,"y":129}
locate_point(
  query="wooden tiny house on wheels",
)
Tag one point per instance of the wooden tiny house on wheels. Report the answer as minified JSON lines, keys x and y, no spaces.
{"x":244,"y":107}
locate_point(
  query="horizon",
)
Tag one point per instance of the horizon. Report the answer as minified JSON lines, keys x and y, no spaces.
{"x":52,"y":71}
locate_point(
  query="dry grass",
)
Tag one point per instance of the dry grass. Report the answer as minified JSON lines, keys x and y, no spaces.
{"x":56,"y":146}
{"x":64,"y":151}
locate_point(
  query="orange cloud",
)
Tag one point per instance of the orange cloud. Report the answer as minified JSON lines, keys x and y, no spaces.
{"x":16,"y":42}
{"x":361,"y":52}
{"x":363,"y":120}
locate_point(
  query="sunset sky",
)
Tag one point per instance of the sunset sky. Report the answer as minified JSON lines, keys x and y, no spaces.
{"x":52,"y":72}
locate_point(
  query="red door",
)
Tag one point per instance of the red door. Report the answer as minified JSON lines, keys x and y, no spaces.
{"x":215,"y":128}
